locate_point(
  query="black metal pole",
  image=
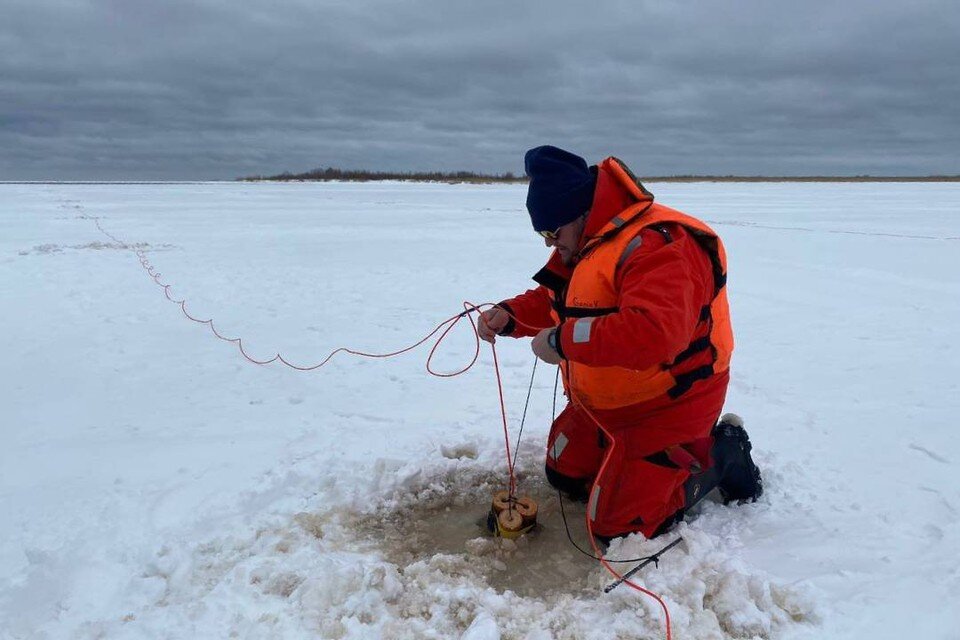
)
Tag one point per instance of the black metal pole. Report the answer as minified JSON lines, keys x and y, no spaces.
{"x":655,"y":558}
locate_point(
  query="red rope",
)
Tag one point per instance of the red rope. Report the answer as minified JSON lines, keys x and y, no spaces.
{"x":446,"y":326}
{"x":593,"y":541}
{"x":503,"y":412}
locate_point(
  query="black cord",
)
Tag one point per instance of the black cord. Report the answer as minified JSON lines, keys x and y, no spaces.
{"x":652,"y":558}
{"x":516,"y":449}
{"x":556,"y":383}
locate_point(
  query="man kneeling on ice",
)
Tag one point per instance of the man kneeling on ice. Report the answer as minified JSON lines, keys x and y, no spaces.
{"x":635,"y":303}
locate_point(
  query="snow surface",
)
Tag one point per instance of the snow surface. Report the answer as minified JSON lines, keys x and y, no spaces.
{"x":153,"y":484}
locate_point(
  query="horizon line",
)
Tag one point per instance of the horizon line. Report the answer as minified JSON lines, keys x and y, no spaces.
{"x":484,"y":179}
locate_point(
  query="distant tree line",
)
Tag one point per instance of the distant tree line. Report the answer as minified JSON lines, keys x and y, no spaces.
{"x":862,"y":178}
{"x":363,"y":175}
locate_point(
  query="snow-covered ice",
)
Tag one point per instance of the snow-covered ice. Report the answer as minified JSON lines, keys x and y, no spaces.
{"x":153,"y":484}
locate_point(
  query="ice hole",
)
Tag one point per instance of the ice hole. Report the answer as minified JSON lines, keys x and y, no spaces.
{"x":540,"y":563}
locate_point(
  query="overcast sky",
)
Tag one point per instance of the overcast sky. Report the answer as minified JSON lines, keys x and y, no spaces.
{"x":209,"y":89}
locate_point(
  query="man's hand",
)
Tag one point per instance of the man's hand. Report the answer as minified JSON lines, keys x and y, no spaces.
{"x":492,"y":321}
{"x":542,"y":349}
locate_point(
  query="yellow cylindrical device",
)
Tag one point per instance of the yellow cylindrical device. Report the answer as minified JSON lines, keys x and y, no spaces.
{"x":512,"y":517}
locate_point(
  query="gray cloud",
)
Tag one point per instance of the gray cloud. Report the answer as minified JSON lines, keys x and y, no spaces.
{"x":127,"y":89}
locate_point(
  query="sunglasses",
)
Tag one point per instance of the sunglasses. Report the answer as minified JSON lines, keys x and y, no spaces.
{"x":552,"y":235}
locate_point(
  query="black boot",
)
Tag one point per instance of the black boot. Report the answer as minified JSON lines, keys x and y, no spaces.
{"x":739,"y":477}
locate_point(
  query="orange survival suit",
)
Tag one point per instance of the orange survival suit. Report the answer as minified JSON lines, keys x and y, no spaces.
{"x":645,"y":337}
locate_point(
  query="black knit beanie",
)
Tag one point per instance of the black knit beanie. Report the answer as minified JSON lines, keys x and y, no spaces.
{"x":561,"y":187}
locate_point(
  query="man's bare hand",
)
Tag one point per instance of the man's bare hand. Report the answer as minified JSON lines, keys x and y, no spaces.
{"x":492,"y":321}
{"x":542,"y":349}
